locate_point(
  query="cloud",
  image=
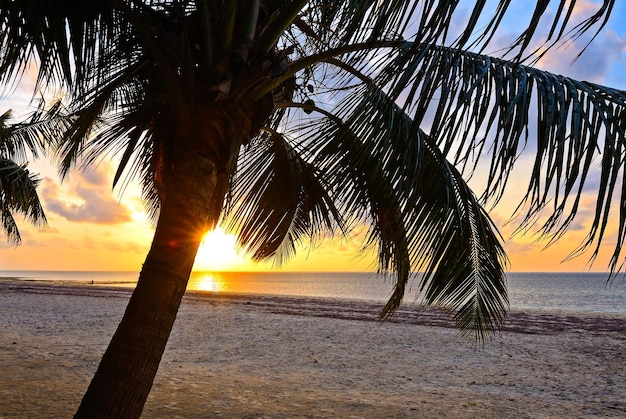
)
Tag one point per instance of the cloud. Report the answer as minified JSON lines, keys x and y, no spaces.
{"x":127,"y":247}
{"x":98,"y":177}
{"x":21,"y":96}
{"x":89,"y":242}
{"x":593,"y":65}
{"x":584,"y":8}
{"x":31,"y":235}
{"x":87,"y":198}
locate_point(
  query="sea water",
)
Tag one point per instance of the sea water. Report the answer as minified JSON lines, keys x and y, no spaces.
{"x":563,"y":292}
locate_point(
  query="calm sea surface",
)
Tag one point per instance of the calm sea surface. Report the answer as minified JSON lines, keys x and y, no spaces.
{"x":565,"y":292}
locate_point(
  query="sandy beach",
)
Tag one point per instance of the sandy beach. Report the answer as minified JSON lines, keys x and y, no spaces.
{"x":237,"y":356}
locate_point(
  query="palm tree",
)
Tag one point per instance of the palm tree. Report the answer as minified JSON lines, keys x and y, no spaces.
{"x":291,"y":120}
{"x":17,"y":186}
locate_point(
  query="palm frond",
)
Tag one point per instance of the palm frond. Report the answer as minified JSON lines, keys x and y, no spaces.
{"x":329,"y":24}
{"x":280,"y":199}
{"x":65,"y":37}
{"x":485,"y":107}
{"x":37,"y":135}
{"x":18,"y":194}
{"x":422,"y":216}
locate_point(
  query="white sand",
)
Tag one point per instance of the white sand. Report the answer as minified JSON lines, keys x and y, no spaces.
{"x":252,"y":357}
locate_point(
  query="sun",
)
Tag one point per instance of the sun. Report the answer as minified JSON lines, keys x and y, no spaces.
{"x":218,"y":251}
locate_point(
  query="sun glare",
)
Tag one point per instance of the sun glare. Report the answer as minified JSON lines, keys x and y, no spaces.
{"x":206,"y":282}
{"x":218,"y":251}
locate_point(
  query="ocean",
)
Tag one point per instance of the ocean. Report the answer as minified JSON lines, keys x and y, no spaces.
{"x":554,"y":292}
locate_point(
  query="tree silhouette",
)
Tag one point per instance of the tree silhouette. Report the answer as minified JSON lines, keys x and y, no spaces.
{"x":17,"y":186}
{"x":293,"y":120}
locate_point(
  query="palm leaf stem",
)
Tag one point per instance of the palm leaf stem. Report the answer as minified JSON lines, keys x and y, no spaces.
{"x":249,"y":18}
{"x":277,"y":25}
{"x":207,"y":32}
{"x":227,"y":30}
{"x":311,"y":60}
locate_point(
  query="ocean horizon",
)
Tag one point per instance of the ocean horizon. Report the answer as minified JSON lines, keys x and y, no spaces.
{"x":565,"y":292}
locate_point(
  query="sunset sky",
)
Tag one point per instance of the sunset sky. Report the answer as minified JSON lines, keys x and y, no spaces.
{"x":92,"y":227}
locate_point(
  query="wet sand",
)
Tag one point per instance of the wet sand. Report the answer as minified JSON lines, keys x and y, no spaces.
{"x":245,"y":356}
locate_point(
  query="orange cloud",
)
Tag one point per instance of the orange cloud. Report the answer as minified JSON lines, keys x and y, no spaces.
{"x":87,"y":199}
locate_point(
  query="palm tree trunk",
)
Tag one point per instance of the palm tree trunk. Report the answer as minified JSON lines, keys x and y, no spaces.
{"x":124,"y":377}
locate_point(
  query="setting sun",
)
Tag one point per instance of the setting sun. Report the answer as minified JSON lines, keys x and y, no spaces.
{"x":218,"y":251}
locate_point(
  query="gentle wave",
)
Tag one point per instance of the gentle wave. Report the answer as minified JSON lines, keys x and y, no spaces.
{"x":554,"y":292}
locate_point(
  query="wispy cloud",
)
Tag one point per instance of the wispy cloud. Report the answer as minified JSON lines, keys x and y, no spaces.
{"x":87,"y":198}
{"x":594,"y":64}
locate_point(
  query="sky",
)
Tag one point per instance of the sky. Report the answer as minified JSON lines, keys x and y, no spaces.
{"x":92,"y":227}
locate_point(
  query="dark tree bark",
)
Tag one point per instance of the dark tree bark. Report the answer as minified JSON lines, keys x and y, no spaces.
{"x":195,"y":174}
{"x":124,"y":377}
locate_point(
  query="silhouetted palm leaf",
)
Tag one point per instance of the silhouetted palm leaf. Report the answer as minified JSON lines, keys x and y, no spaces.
{"x":18,"y":195}
{"x":485,"y":108}
{"x":17,"y":186}
{"x":422,"y":216}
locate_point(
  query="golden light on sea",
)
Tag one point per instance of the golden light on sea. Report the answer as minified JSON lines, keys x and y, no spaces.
{"x":206,"y":282}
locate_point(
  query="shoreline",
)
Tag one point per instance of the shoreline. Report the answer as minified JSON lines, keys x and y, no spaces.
{"x":292,"y":357}
{"x":518,"y":321}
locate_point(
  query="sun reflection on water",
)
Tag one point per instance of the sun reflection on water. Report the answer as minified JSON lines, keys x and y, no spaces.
{"x":206,"y":282}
